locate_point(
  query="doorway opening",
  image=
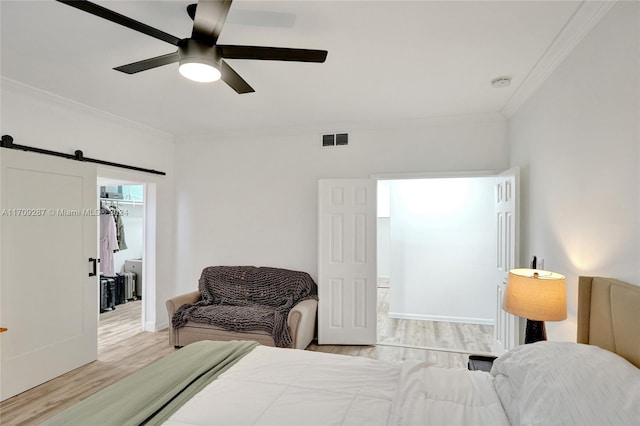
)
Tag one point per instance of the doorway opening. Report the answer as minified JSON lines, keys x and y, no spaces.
{"x":127,"y":302}
{"x":436,"y":252}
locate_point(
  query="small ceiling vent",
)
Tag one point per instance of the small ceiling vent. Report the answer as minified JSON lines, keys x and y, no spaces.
{"x":335,"y":139}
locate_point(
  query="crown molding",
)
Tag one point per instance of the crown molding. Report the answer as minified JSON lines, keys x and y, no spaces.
{"x":586,"y":16}
{"x":18,"y":86}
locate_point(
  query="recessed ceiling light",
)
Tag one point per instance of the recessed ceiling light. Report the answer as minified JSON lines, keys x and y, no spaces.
{"x":501,"y":82}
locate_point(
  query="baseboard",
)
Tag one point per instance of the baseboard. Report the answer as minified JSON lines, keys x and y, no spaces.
{"x":383,"y":282}
{"x":153,"y":326}
{"x":420,"y":317}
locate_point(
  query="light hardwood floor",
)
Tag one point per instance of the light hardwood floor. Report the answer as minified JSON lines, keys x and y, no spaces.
{"x":438,"y":335}
{"x":123,"y":349}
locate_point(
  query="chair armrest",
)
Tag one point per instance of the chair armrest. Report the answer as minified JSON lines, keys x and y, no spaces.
{"x":172,"y":306}
{"x":175,"y":302}
{"x":302,"y":323}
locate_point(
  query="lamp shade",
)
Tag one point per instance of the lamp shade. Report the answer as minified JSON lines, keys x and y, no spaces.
{"x":536,"y":295}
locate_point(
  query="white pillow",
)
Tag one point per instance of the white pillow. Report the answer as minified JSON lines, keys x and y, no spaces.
{"x":562,"y":383}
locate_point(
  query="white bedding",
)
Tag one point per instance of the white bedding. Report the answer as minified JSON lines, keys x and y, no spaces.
{"x":562,"y":383}
{"x":272,"y":386}
{"x":545,"y":383}
{"x":429,"y":395}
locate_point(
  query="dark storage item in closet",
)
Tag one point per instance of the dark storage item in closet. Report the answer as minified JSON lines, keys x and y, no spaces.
{"x":111,"y":290}
{"x":120,"y":293}
{"x":104,"y":295}
{"x":107,"y":294}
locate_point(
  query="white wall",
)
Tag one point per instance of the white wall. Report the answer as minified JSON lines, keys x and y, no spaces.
{"x":443,"y":249}
{"x":252,"y":199}
{"x":577,"y":143}
{"x":43,"y":120}
{"x":383,"y":240}
{"x":383,"y":234}
{"x":133,"y":221}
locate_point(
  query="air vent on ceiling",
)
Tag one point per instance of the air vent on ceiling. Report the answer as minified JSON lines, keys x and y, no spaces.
{"x":335,"y":139}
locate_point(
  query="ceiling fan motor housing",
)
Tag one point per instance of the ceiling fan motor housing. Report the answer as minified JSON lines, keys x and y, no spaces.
{"x":190,"y":50}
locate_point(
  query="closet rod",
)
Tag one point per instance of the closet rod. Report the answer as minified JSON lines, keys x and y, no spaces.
{"x":7,"y":142}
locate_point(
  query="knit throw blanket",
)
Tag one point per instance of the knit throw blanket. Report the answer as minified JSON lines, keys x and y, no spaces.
{"x":248,"y":298}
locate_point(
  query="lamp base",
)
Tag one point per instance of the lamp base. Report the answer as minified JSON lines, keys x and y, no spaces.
{"x":535,"y":331}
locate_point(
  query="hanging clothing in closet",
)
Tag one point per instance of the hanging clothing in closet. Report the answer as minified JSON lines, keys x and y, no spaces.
{"x":119,"y":227}
{"x":108,"y":242}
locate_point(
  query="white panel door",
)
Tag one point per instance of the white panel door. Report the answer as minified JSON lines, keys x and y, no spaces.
{"x":347,"y":262}
{"x":48,"y":301}
{"x":506,"y":330}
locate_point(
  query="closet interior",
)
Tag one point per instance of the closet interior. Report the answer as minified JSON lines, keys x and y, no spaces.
{"x":121,"y":244}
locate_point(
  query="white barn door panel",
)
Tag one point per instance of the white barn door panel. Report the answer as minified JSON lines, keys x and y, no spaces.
{"x":347,"y":262}
{"x":48,"y":302}
{"x":506,"y":330}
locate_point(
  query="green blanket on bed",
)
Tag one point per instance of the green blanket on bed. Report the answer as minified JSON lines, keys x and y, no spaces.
{"x":152,"y":394}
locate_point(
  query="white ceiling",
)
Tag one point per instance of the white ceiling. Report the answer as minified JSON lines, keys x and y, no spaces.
{"x":387,"y":60}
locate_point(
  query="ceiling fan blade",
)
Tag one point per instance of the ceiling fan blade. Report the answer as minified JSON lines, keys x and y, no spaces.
{"x":209,"y":19}
{"x":273,"y":53}
{"x":112,"y":16}
{"x":232,"y":78}
{"x":148,"y":64}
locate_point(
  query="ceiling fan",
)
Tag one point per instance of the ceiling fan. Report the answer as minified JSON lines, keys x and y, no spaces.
{"x":200,"y":57}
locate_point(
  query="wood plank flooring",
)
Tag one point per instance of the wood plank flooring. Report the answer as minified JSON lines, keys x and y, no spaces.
{"x":437,"y":335}
{"x":123,"y":349}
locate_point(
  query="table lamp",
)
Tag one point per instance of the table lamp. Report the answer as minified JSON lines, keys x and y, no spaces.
{"x":538,"y":296}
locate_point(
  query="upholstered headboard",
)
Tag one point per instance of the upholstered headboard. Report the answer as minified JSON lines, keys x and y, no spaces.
{"x":609,"y":316}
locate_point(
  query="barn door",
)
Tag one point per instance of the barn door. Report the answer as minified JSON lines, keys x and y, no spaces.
{"x":506,"y":330}
{"x":347,"y":262}
{"x":48,"y":302}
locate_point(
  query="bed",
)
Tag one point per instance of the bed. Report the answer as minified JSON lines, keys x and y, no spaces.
{"x":595,"y":381}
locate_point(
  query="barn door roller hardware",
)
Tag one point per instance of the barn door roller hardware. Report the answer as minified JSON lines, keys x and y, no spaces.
{"x":7,"y":142}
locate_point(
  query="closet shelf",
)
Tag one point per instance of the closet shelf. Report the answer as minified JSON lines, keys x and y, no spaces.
{"x":120,"y":201}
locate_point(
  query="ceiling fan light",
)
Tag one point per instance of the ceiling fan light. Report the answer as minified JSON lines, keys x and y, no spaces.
{"x":199,"y":71}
